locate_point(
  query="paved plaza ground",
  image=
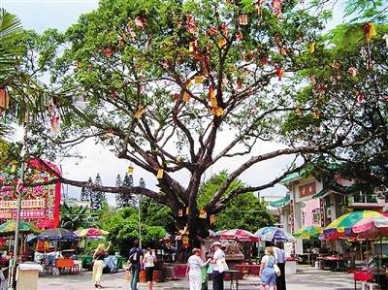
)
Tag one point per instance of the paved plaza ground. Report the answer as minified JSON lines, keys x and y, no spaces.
{"x":306,"y":278}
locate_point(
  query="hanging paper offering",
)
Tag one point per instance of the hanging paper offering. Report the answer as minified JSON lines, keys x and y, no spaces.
{"x":141,"y":21}
{"x":139,"y":113}
{"x":186,"y":97}
{"x":221,"y":42}
{"x":369,"y":31}
{"x":202,"y":214}
{"x":352,"y":71}
{"x":212,"y":219}
{"x":159,"y":174}
{"x":312,"y":47}
{"x":4,"y":99}
{"x":243,"y":19}
{"x":130,"y":169}
{"x":279,"y":72}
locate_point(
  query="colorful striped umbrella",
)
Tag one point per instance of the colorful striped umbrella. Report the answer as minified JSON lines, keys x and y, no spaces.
{"x":307,"y":233}
{"x":343,"y":224}
{"x":272,"y":234}
{"x":372,"y":227}
{"x":92,"y":233}
{"x":10,"y":226}
{"x":239,"y":235}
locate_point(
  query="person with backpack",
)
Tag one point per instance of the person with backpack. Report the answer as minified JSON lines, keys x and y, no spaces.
{"x":135,"y":257}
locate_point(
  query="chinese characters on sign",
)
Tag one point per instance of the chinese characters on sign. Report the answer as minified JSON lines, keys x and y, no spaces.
{"x":40,"y":204}
{"x":307,"y":189}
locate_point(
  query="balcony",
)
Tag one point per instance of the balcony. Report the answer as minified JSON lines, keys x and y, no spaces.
{"x":366,"y":201}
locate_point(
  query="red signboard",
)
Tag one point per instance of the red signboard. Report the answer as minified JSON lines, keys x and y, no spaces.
{"x":40,"y":203}
{"x":307,"y":189}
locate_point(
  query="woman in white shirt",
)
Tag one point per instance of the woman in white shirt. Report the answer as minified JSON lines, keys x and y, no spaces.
{"x":218,"y":274}
{"x":194,"y":265}
{"x":149,"y":266}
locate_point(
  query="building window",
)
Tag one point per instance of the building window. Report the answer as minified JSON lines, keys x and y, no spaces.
{"x":316,"y":215}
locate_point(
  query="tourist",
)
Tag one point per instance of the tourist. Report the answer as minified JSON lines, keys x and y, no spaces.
{"x":280,"y":260}
{"x":98,"y":263}
{"x":194,"y":269}
{"x":149,"y":266}
{"x":218,"y":274}
{"x":135,"y":257}
{"x":267,"y":272}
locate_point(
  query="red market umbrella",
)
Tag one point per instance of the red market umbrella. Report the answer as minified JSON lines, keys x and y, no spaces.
{"x":238,"y":234}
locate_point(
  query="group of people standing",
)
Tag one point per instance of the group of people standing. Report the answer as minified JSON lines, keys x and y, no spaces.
{"x":137,"y":260}
{"x":269,"y":280}
{"x":195,"y":264}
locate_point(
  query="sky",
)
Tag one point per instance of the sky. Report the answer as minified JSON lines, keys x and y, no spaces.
{"x":43,"y":14}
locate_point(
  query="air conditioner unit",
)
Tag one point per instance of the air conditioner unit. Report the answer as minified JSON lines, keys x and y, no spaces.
{"x":328,"y":213}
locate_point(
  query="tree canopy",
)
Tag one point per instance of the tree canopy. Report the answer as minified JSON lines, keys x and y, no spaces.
{"x":177,"y":87}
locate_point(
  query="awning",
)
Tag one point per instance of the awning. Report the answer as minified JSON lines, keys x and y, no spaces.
{"x":291,"y":177}
{"x":280,"y":202}
{"x":322,"y":193}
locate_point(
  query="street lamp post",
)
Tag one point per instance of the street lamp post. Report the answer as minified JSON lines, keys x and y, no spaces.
{"x":140,"y":221}
{"x":19,"y":191}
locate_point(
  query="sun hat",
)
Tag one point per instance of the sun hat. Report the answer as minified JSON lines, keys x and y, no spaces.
{"x":216,"y":244}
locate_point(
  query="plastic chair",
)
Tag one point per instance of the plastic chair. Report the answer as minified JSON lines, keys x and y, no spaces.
{"x":364,"y":276}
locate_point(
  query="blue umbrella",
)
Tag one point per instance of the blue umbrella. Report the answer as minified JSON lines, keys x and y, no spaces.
{"x":58,"y":234}
{"x":273,"y":234}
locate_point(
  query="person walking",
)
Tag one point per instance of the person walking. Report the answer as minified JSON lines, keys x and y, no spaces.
{"x":218,"y":274}
{"x":135,"y":257}
{"x":194,"y":269}
{"x":267,"y":272}
{"x":98,"y":265}
{"x":149,"y":261}
{"x":281,"y":261}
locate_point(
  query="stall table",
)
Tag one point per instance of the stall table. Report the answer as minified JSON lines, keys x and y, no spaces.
{"x":248,"y":269}
{"x":233,"y":277}
{"x":334,"y":263}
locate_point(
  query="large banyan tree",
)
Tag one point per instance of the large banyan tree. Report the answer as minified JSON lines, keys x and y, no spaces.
{"x":177,"y":87}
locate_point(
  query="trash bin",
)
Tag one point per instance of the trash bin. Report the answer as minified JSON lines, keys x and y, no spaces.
{"x":27,"y":276}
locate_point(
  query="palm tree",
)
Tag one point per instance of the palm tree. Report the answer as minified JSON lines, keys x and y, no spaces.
{"x":74,"y":217}
{"x":10,"y":33}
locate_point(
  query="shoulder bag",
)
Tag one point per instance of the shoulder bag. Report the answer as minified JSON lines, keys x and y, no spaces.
{"x":277,"y":270}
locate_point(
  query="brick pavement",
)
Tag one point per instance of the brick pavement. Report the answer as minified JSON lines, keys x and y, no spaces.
{"x":306,"y":278}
